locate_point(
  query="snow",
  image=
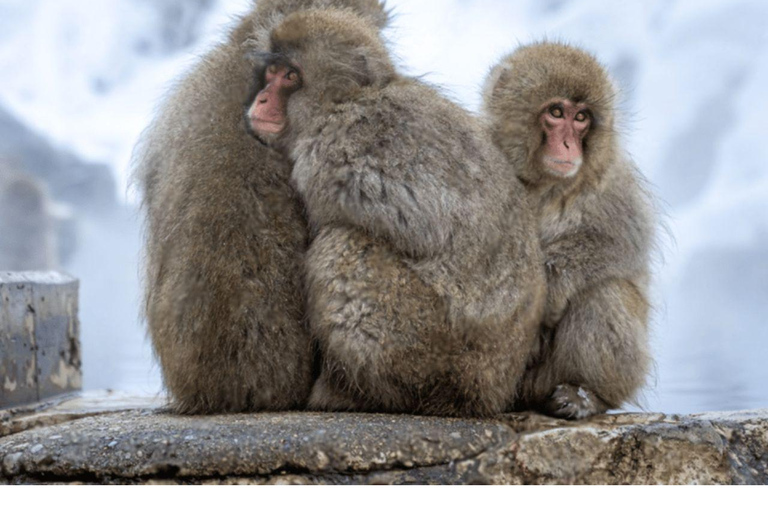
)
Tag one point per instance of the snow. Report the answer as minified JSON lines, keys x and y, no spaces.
{"x":89,"y":73}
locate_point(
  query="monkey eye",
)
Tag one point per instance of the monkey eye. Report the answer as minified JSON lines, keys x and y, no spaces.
{"x":272,"y":69}
{"x":582,"y":116}
{"x":557,"y":112}
{"x":292,"y":76}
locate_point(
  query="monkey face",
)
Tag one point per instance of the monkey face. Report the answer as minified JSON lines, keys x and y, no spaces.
{"x":267,"y":117}
{"x":565,"y":126}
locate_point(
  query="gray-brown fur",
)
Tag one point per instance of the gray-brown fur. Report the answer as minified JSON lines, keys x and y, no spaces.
{"x":226,"y":236}
{"x":596,"y":232}
{"x":425,"y":282}
{"x":27,"y":238}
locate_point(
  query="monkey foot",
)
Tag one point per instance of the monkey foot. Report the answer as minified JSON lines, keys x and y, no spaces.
{"x":574,"y":403}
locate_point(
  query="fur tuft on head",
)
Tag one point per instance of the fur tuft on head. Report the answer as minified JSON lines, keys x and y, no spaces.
{"x":374,"y":11}
{"x":339,"y":53}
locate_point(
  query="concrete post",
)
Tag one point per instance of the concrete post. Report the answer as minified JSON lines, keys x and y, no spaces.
{"x":39,"y":337}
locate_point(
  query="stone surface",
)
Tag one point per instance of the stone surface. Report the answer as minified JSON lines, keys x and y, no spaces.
{"x":70,"y":407}
{"x":113,"y":438}
{"x":39,"y":337}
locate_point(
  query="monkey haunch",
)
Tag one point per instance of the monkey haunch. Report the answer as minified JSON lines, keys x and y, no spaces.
{"x":551,"y":109}
{"x":425,"y":282}
{"x":226,"y":237}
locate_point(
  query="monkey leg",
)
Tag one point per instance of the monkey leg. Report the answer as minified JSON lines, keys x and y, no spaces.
{"x":328,"y":394}
{"x":225,"y":305}
{"x":385,"y":337}
{"x":597,"y":358}
{"x":224,"y":348}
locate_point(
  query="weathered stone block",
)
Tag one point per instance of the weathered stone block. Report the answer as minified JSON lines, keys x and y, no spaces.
{"x":18,"y":369}
{"x":39,"y":337}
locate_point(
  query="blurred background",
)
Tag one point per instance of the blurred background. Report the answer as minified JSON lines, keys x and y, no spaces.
{"x":80,"y":79}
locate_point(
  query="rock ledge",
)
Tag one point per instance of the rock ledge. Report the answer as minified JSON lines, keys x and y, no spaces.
{"x":112,"y":438}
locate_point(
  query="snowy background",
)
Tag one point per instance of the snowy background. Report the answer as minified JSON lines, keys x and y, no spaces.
{"x":79,"y":80}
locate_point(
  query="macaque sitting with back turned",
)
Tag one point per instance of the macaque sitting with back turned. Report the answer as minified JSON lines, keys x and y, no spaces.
{"x":551,"y":108}
{"x":425,"y":279}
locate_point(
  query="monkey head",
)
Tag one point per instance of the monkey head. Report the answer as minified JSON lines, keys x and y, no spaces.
{"x":374,"y":11}
{"x":318,"y":60}
{"x":551,"y":111}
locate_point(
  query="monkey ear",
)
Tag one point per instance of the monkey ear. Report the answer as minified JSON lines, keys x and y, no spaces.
{"x":364,"y":71}
{"x":371,"y":71}
{"x":498,"y":76}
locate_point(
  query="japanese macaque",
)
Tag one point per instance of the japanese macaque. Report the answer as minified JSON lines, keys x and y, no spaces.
{"x":226,"y":236}
{"x":425,"y":279}
{"x":27,"y":234}
{"x":551,"y":109}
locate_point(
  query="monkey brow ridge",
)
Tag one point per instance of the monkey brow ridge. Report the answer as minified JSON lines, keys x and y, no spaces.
{"x":272,"y":59}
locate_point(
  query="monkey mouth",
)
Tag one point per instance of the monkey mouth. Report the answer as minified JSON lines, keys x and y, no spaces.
{"x":268,"y":127}
{"x":562,"y":168}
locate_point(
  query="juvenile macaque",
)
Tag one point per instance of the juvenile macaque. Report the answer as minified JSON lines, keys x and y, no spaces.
{"x":552,"y":111}
{"x":425,"y":280}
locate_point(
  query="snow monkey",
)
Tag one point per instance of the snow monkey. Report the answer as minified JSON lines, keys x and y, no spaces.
{"x":226,"y":236}
{"x":425,"y":279}
{"x":551,"y":110}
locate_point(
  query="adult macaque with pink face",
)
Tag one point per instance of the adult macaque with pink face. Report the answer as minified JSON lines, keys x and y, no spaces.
{"x":424,"y":278}
{"x":226,"y":233}
{"x":551,"y":109}
{"x":267,"y":116}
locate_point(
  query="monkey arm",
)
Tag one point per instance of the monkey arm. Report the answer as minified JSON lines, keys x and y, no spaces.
{"x":614,"y":240}
{"x":579,"y":260}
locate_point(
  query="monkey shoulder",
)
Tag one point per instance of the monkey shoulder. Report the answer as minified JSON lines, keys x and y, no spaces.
{"x":404,"y":128}
{"x":625,"y":207}
{"x":405,"y":113}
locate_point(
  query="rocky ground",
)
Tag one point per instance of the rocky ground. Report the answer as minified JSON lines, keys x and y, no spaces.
{"x":112,"y":438}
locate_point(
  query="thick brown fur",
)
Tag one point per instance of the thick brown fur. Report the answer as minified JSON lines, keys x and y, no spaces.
{"x":425,"y":280}
{"x":226,"y":236}
{"x":597,"y":232}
